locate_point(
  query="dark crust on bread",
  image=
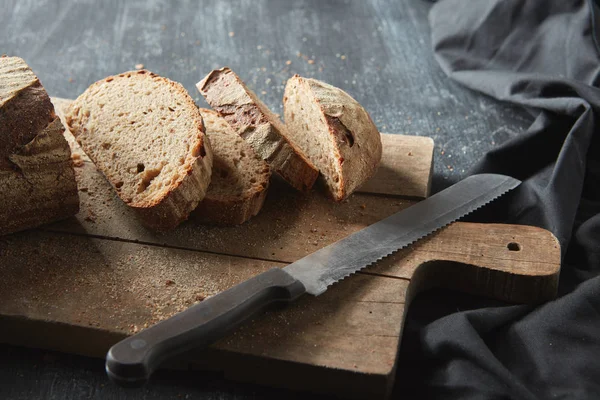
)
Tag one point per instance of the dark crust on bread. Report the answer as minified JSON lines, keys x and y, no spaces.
{"x":37,"y":179}
{"x":24,"y":115}
{"x":42,"y":187}
{"x":251,"y":119}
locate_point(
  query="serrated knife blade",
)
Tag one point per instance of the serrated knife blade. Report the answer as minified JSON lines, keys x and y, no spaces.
{"x":338,"y":260}
{"x":131,"y":361}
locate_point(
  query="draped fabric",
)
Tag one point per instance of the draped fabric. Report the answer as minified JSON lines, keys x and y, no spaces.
{"x":544,"y":56}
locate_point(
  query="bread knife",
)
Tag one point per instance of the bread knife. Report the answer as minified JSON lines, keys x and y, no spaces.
{"x":131,"y":361}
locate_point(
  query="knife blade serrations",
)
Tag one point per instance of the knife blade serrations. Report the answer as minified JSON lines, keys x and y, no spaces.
{"x":340,"y":259}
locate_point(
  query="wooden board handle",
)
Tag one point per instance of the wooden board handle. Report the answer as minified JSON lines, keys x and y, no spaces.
{"x":513,"y":263}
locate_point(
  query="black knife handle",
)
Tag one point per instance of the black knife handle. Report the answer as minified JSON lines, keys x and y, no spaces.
{"x":131,"y":361}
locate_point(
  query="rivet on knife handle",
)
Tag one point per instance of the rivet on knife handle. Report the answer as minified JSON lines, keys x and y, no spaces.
{"x":132,"y":361}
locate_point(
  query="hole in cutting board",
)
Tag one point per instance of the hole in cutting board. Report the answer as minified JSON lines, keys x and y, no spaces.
{"x":513,"y":246}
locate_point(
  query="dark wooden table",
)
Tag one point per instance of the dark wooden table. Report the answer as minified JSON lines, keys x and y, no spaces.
{"x":378,"y":50}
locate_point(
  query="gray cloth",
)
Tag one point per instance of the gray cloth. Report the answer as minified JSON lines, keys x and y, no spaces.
{"x":542,"y":55}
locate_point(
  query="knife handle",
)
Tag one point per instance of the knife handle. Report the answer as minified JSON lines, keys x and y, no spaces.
{"x":131,"y":361}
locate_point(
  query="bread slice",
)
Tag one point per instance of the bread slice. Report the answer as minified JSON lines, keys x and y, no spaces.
{"x":77,"y":154}
{"x":252,"y":120}
{"x":240,"y":178}
{"x":37,"y":180}
{"x":145,"y":134}
{"x":334,"y":131}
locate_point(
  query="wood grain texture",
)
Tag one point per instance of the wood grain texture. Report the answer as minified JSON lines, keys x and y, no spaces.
{"x":91,"y":278}
{"x":80,"y":287}
{"x":405,"y":169}
{"x":388,"y":65}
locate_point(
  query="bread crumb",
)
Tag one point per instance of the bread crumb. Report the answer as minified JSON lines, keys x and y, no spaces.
{"x":91,"y":217}
{"x":288,"y":62}
{"x":231,"y":34}
{"x":139,"y":66}
{"x":77,"y":161}
{"x":311,"y":61}
{"x":343,"y":57}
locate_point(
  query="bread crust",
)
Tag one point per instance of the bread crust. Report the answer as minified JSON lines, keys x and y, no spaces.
{"x":180,"y":197}
{"x":356,"y":140}
{"x":37,"y":179}
{"x":234,"y":209}
{"x":252,"y":120}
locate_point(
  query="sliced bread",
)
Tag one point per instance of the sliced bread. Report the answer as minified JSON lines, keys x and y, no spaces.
{"x":252,"y":120}
{"x":334,"y":131}
{"x":240,"y":178}
{"x":37,"y":180}
{"x":145,"y":134}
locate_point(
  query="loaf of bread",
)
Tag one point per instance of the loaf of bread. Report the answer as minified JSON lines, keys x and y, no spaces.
{"x":253,"y":121}
{"x":37,"y":180}
{"x":240,"y":178}
{"x":145,"y":134}
{"x":334,"y":131}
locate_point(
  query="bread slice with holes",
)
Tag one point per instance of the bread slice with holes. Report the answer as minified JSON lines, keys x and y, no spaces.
{"x":334,"y":131}
{"x":145,"y":134}
{"x":252,"y":120}
{"x":240,"y":178}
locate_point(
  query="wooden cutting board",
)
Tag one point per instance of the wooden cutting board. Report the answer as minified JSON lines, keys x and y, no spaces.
{"x":82,"y":284}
